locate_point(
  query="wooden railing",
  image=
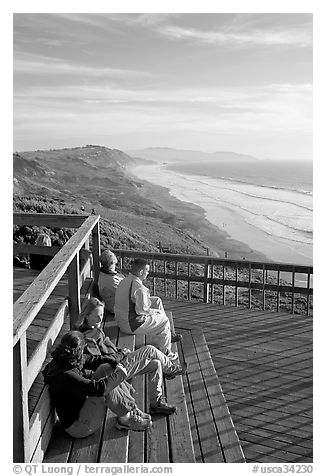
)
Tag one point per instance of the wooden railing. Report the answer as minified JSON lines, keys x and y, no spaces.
{"x":264,"y":285}
{"x":26,"y":308}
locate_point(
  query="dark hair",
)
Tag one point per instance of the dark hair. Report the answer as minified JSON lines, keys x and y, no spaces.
{"x":138,"y":264}
{"x":70,"y":350}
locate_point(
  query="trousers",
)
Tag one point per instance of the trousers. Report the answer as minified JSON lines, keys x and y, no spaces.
{"x":157,"y":326}
{"x":150,"y":361}
{"x":92,"y":414}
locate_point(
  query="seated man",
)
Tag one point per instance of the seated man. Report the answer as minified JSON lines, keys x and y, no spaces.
{"x":137,"y":313}
{"x":109,"y":279}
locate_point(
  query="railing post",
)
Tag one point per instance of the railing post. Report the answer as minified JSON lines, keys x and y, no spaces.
{"x":278,"y":290}
{"x":74,"y":291}
{"x":154,"y":279}
{"x":96,"y":251}
{"x":188,"y":279}
{"x":236,"y":286}
{"x":264,"y":282}
{"x":206,"y":285}
{"x":20,"y":403}
{"x":293,"y":284}
{"x":165,"y":284}
{"x":249,"y":286}
{"x":223,"y":285}
{"x":308,"y":287}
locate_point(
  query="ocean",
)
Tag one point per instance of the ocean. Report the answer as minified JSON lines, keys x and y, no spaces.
{"x":266,"y":204}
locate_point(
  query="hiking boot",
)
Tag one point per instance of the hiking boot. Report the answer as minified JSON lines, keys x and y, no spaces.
{"x":134,"y":423}
{"x":142,"y":414}
{"x":161,"y":406}
{"x":175,"y":370}
{"x":176,"y":338}
{"x":171,"y":355}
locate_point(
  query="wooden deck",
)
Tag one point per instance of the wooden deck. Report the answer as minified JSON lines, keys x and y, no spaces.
{"x":264,"y":364}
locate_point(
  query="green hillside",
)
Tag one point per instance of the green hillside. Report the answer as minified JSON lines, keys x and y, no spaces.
{"x":61,"y":181}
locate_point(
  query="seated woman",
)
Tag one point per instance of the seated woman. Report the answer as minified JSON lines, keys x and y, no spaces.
{"x":145,"y":360}
{"x":83,"y":386}
{"x":109,"y":279}
{"x":39,"y":262}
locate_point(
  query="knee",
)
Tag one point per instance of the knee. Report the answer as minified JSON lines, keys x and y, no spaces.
{"x":104,"y":370}
{"x":151,"y":349}
{"x":155,"y":365}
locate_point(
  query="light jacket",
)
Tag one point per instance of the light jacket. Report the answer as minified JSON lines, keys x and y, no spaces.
{"x":132,"y":303}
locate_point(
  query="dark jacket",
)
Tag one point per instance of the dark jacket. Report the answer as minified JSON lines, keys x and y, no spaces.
{"x":69,"y":386}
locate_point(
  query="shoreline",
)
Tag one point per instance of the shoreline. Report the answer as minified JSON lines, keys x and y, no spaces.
{"x":219,"y":222}
{"x":192,"y":218}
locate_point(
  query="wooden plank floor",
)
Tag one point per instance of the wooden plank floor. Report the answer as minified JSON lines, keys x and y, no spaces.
{"x":264,"y":363}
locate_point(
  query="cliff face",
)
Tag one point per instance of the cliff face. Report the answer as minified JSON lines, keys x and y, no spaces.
{"x":97,"y":177}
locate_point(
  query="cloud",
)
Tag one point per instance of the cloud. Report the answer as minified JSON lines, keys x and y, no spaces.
{"x":297,"y":37}
{"x":272,"y":107}
{"x":41,"y":65}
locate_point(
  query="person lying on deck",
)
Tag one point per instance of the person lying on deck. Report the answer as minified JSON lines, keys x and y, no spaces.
{"x":136,"y":312}
{"x":146,"y":360}
{"x":109,"y":279}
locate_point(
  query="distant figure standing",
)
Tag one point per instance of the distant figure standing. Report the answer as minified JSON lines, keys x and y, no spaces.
{"x":39,"y":262}
{"x":109,"y":279}
{"x":93,"y":211}
{"x":82,"y":208}
{"x":138,"y":313}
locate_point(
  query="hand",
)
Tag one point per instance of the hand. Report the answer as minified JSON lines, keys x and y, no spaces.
{"x":126,"y":351}
{"x":121,"y":368}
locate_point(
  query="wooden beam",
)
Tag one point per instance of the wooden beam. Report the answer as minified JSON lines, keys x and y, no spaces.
{"x":23,"y":249}
{"x":37,"y":358}
{"x":96,"y":250}
{"x":20,"y":403}
{"x":74,"y":291}
{"x":31,"y":301}
{"x":49,"y":220}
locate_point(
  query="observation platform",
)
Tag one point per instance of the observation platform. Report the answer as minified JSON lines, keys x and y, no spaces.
{"x":263,"y":364}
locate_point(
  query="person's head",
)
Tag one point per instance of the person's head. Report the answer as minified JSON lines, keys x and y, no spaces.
{"x":92,"y":313}
{"x":108,"y":260}
{"x":70,"y":350}
{"x":140,"y":268}
{"x":43,"y":240}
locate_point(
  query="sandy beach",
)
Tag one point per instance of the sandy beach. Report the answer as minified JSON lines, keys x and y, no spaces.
{"x":226,"y":226}
{"x":193,"y":218}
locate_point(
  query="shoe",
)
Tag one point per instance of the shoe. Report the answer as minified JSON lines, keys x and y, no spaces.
{"x":143,"y":415}
{"x":161,"y":406}
{"x":176,"y":338}
{"x":175,"y":370}
{"x":134,"y":423}
{"x":171,"y":355}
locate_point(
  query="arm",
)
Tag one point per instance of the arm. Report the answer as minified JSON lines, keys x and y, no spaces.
{"x":142,"y":301}
{"x":97,"y":388}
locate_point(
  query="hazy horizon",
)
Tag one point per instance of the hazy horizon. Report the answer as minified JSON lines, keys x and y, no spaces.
{"x":192,"y":81}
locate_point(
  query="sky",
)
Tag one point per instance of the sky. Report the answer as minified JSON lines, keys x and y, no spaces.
{"x":238,"y":82}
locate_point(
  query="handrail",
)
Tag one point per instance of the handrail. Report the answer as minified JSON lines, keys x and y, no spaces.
{"x":49,"y":219}
{"x":31,"y":301}
{"x":212,"y":272}
{"x":27,"y":431}
{"x":202,"y":259}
